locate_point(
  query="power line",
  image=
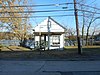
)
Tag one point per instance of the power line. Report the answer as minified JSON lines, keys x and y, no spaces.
{"x":51,"y":5}
{"x":80,"y":1}
{"x":39,"y":16}
{"x":88,"y":11}
{"x":35,"y":11}
{"x":92,"y":2}
{"x":38,"y":5}
{"x":48,"y":11}
{"x":89,"y":6}
{"x":43,"y":16}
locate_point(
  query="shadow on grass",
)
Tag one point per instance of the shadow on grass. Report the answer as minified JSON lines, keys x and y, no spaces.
{"x":9,"y":48}
{"x":67,"y":54}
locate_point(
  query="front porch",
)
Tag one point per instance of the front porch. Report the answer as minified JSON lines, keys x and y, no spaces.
{"x":49,"y":41}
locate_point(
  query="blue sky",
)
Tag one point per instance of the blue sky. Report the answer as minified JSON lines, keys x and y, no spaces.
{"x":68,"y":21}
{"x":64,"y":20}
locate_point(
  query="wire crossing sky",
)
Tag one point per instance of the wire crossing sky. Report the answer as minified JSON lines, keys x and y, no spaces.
{"x":61,"y":10}
{"x":65,"y":20}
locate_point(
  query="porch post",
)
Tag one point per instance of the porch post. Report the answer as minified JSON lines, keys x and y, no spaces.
{"x":48,"y":27}
{"x":45,"y":41}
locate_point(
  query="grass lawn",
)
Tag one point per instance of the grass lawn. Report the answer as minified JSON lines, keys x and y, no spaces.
{"x":13,"y":48}
{"x":69,"y":53}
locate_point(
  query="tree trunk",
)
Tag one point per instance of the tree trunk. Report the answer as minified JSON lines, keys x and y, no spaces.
{"x":83,"y":29}
{"x":87,"y":34}
{"x":92,"y":38}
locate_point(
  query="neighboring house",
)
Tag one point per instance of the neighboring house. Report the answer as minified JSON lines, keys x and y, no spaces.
{"x":97,"y":37}
{"x":50,"y":34}
{"x":70,"y":40}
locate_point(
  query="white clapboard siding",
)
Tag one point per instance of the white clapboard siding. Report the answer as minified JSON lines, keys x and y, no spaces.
{"x":54,"y":27}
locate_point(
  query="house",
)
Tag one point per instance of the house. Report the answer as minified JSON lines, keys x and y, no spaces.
{"x":49,"y":34}
{"x":97,"y":39}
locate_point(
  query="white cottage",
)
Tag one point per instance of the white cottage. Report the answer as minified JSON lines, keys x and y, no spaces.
{"x":49,"y":34}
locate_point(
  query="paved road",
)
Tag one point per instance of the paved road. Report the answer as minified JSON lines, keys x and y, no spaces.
{"x":49,"y":67}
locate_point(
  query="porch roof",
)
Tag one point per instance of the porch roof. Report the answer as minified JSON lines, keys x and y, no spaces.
{"x":46,"y":33}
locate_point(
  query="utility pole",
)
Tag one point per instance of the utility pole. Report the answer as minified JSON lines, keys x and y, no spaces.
{"x":77,"y":28}
{"x":40,"y":40}
{"x":48,"y":27}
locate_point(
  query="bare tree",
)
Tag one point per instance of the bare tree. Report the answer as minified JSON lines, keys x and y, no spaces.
{"x":88,"y":20}
{"x":18,"y":26}
{"x":71,"y":35}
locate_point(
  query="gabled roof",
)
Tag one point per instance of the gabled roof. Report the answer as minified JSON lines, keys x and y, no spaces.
{"x":57,"y":23}
{"x":54,"y":26}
